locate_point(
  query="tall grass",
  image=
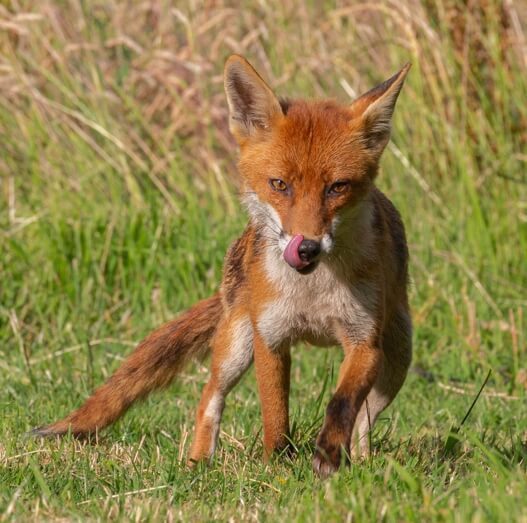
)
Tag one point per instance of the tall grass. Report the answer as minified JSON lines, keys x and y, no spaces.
{"x":119,"y":200}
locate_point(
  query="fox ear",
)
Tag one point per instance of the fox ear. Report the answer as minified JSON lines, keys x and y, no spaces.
{"x":252,"y":104}
{"x":375,"y":109}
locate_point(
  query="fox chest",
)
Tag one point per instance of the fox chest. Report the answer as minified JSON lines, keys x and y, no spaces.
{"x":311,"y":308}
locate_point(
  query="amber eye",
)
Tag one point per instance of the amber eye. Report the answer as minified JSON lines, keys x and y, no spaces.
{"x":339,"y":188}
{"x":278,"y":185}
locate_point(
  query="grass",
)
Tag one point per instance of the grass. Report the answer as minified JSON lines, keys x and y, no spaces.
{"x":119,"y":201}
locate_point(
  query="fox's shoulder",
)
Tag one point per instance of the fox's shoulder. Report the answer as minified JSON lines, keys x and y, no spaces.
{"x":385,"y":209}
{"x":236,"y":264}
{"x":389,"y":227}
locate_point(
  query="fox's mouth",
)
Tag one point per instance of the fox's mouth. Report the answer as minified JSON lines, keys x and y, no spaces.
{"x":307,"y":269}
{"x":302,"y":255}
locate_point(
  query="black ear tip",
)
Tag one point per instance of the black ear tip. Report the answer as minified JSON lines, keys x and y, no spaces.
{"x":236,"y":57}
{"x":404,"y":71}
{"x":235,"y":60}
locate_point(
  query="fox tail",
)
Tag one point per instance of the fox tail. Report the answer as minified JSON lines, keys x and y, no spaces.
{"x":153,"y":365}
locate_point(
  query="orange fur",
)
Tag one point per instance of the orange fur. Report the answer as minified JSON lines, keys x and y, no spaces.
{"x":308,"y":171}
{"x":273,"y":373}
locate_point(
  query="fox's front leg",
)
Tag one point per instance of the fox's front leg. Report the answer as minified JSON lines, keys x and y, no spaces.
{"x":232,"y":354}
{"x":273,"y":368}
{"x":357,"y":375}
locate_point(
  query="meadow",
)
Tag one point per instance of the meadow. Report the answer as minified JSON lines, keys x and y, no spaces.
{"x":119,"y":200}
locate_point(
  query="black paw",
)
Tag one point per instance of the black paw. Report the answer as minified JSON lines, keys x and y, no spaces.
{"x":326,"y":460}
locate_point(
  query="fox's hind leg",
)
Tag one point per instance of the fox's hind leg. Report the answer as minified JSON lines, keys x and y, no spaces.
{"x":232,"y":354}
{"x":397,"y":355}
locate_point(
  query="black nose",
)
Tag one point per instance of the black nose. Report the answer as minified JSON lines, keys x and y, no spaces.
{"x":308,"y":250}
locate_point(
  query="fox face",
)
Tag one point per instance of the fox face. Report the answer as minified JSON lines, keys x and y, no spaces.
{"x":306,"y":166}
{"x":314,"y":172}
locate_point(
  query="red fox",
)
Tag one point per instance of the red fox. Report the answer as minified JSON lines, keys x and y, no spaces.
{"x":323,"y":260}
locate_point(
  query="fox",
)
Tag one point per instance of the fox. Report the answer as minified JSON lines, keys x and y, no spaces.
{"x":323,"y":260}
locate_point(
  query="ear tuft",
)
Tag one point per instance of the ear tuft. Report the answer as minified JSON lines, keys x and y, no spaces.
{"x":375,"y":108}
{"x":252,"y":104}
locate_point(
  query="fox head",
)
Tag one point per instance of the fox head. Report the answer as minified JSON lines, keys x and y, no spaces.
{"x":306,"y":165}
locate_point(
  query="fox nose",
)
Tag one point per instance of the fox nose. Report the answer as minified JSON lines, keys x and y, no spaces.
{"x":308,"y":250}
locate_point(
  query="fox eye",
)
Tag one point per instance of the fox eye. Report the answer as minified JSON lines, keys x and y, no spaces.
{"x":339,"y":188}
{"x":278,"y":185}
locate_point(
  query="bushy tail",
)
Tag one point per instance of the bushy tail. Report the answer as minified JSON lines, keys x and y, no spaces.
{"x":152,"y":365}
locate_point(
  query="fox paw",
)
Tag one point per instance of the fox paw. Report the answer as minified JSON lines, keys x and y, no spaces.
{"x":326,"y":461}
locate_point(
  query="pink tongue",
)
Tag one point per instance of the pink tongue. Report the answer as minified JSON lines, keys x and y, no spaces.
{"x":291,"y":255}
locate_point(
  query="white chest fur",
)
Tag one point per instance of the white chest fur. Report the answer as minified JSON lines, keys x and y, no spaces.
{"x":309,"y":307}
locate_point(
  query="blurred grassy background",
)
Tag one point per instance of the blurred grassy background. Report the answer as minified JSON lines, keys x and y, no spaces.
{"x":119,"y":200}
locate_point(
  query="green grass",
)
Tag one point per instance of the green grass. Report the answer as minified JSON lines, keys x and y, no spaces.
{"x":118,"y":205}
